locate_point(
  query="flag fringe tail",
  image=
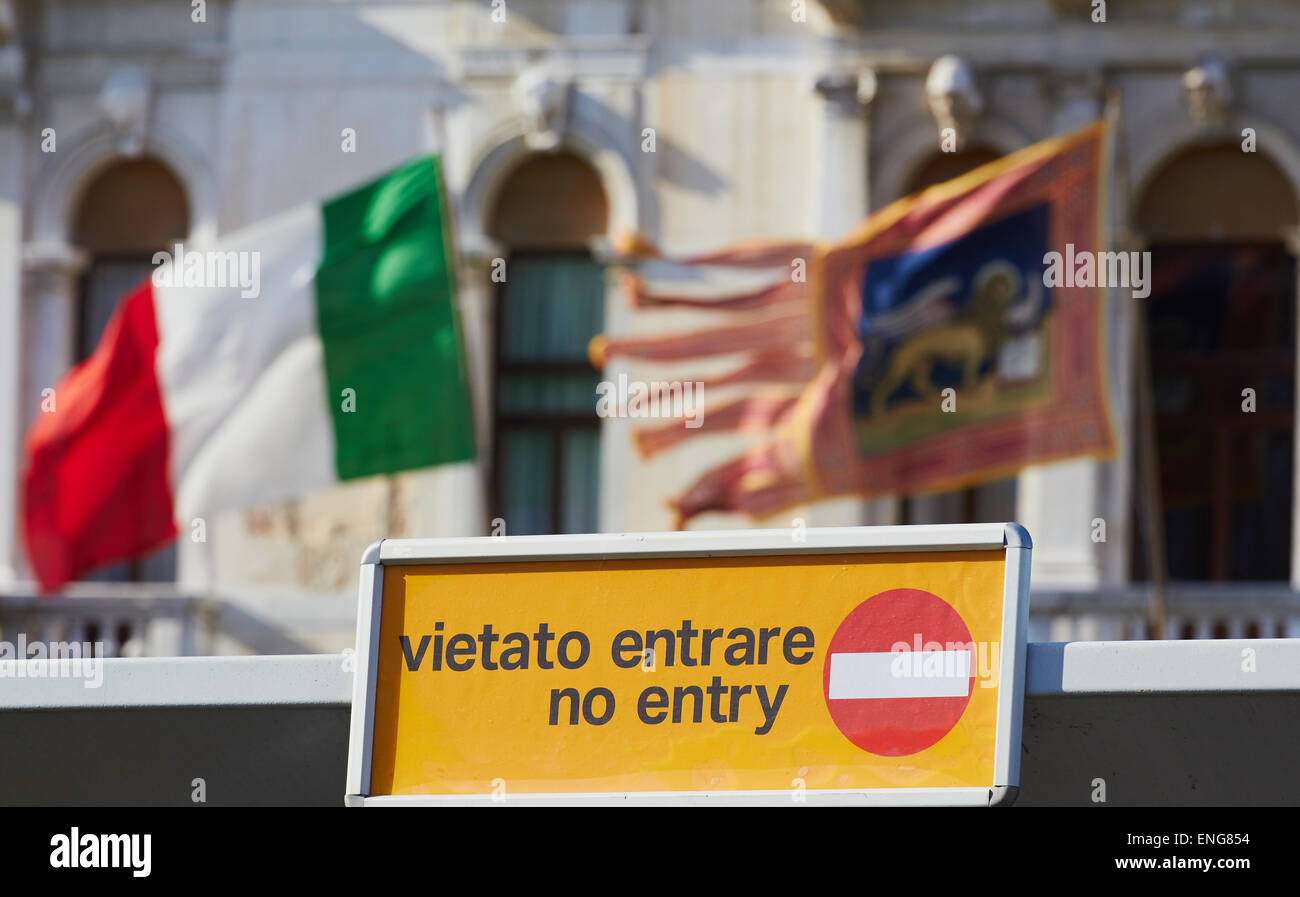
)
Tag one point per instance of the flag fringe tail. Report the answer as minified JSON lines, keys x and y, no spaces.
{"x":795,"y":365}
{"x":639,"y":297}
{"x":783,"y":366}
{"x":769,"y":334}
{"x":800,"y":462}
{"x":631,"y":246}
{"x":756,"y":483}
{"x":750,"y":414}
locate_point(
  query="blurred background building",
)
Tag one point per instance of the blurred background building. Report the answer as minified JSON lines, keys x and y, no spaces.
{"x":127,"y":126}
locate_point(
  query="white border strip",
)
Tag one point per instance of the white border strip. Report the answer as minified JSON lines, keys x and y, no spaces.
{"x":813,"y":540}
{"x":362,"y":725}
{"x":1011,"y":680}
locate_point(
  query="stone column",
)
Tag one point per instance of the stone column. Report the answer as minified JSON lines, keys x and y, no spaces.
{"x":46,"y":329}
{"x":51,"y":277}
{"x":842,"y":108}
{"x":12,"y":406}
{"x":618,"y":460}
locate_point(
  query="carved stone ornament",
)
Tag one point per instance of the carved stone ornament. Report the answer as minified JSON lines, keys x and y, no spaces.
{"x":953,"y":95}
{"x":1207,"y":90}
{"x":124,"y":102}
{"x":541,"y":97}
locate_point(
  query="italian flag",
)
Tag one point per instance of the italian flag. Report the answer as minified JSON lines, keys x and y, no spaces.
{"x":212,"y":389}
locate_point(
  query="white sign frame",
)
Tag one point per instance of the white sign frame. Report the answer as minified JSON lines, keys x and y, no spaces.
{"x":1009,"y":537}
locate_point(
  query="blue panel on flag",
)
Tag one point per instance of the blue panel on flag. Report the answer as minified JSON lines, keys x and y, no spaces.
{"x":968,"y":314}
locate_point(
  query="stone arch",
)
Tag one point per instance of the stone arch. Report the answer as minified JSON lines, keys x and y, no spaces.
{"x":502,"y":153}
{"x":133,"y":204}
{"x":940,"y":167}
{"x":1219,"y":225}
{"x":1151,"y":158}
{"x":914,"y":148}
{"x":61,"y":183}
{"x":547,"y":214}
{"x":559,"y":199}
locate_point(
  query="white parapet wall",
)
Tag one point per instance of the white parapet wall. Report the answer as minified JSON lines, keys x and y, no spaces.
{"x":1208,"y":722}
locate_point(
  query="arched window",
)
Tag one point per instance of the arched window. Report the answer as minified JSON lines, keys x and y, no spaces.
{"x":129,"y":211}
{"x":1220,"y":320}
{"x":549,"y":306}
{"x":942,"y":167}
{"x":994,"y":501}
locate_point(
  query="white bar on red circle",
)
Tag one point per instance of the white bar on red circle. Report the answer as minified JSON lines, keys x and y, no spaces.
{"x":900,"y":674}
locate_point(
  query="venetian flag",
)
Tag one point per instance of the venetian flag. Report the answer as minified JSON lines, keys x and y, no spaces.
{"x":927,"y":349}
{"x":318,"y":346}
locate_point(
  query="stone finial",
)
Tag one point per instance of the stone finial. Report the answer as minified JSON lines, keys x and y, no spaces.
{"x":1207,"y":90}
{"x":541,"y":97}
{"x":953,"y":95}
{"x":124,"y":101}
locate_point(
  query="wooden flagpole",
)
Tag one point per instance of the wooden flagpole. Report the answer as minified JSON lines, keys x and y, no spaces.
{"x":1153,"y":523}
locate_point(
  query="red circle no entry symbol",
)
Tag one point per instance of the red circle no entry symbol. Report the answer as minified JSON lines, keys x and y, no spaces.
{"x":890,"y":701}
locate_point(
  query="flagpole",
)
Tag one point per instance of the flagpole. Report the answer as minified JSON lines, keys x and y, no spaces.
{"x":1148,"y":457}
{"x":1153,"y":524}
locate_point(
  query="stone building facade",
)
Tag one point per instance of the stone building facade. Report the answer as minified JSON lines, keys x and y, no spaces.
{"x":125,"y":126}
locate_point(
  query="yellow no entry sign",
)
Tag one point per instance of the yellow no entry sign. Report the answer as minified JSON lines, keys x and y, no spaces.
{"x":844,"y":665}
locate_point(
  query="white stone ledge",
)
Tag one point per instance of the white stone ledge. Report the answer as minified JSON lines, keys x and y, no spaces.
{"x":1197,"y":666}
{"x":1067,"y":668}
{"x":283,"y":680}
